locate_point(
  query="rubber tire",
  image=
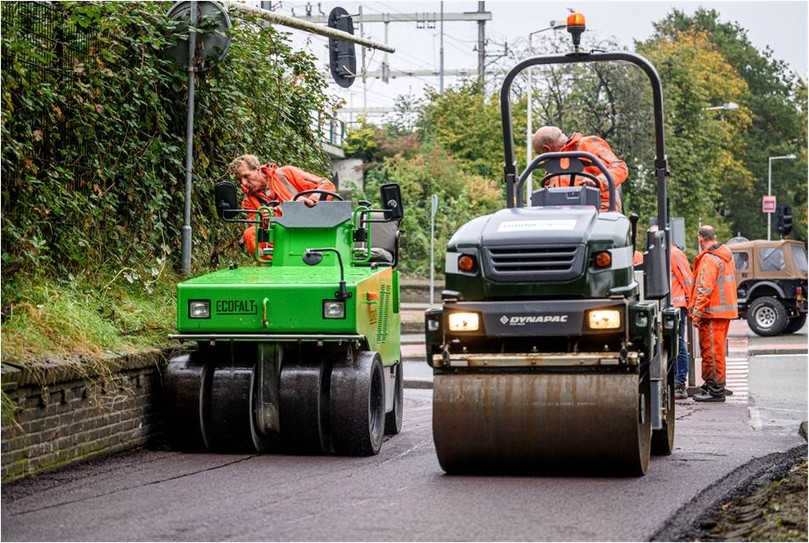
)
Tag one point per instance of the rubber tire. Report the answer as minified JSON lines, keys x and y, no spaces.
{"x":182,"y":390}
{"x":357,"y":405}
{"x":781,"y":319}
{"x":663,"y":439}
{"x":795,"y":324}
{"x":302,"y":403}
{"x":393,"y":420}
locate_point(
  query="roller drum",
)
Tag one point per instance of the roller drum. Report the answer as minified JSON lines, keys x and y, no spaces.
{"x":507,"y":421}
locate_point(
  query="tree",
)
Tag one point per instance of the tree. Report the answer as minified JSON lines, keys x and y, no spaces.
{"x":778,"y":126}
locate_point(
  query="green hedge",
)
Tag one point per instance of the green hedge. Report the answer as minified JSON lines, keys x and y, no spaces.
{"x":93,"y":131}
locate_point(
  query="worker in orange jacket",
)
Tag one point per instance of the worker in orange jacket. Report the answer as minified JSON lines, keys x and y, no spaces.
{"x":713,"y":306}
{"x":550,"y":139}
{"x":682,"y":282}
{"x":264,"y":184}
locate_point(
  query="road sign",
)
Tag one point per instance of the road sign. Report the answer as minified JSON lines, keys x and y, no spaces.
{"x":768,"y":204}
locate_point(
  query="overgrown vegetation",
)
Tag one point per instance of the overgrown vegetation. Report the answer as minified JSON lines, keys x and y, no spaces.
{"x":93,"y":127}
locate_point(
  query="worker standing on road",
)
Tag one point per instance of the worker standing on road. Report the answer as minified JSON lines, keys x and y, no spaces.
{"x":264,"y":184}
{"x":713,"y":306}
{"x":551,"y":139}
{"x":682,"y":281}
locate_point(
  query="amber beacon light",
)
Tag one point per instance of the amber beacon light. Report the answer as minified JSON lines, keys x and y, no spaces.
{"x":575,"y":25}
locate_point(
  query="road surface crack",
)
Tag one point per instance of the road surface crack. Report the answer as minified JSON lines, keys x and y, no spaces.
{"x":133,"y":487}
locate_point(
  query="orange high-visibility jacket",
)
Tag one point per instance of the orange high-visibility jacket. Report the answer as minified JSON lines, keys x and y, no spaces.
{"x":682,"y":280}
{"x":601,"y":149}
{"x":282,"y":184}
{"x":714,"y":292}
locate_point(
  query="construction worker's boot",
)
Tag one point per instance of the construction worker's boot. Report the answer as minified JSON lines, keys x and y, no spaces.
{"x":704,"y":390}
{"x":711,"y":394}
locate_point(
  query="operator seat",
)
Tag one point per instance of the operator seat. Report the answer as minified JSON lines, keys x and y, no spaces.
{"x":383,"y":240}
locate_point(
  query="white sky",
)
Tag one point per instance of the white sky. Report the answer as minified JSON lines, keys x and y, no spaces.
{"x":782,"y":26}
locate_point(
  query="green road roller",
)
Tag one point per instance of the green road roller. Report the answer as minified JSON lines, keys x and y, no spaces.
{"x":550,"y":349}
{"x":299,"y":352}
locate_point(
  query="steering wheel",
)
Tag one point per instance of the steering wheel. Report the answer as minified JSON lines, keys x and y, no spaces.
{"x":546,"y":180}
{"x":319,"y":191}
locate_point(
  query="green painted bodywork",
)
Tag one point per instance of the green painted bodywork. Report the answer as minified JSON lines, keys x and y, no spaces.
{"x":286,"y":296}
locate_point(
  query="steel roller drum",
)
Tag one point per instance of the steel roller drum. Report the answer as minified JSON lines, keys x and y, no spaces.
{"x":532,"y":421}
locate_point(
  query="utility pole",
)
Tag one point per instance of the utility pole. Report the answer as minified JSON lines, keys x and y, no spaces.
{"x":364,"y":77}
{"x":529,"y":129}
{"x":189,"y":142}
{"x":441,"y":53}
{"x":482,"y":46}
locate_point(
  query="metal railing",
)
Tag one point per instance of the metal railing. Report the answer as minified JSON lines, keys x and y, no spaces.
{"x":330,"y":129}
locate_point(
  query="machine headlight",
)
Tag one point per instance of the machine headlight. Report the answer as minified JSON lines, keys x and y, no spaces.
{"x":334,"y":309}
{"x":199,"y":309}
{"x":464,"y":322}
{"x":604,"y":319}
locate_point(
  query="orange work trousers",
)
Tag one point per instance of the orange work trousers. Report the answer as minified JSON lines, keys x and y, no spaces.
{"x":713,"y":334}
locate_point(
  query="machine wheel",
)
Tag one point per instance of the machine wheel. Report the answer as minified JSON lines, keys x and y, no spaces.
{"x":393,"y":420}
{"x":303,"y":401}
{"x":641,"y":464}
{"x":795,"y":324}
{"x":357,"y":404}
{"x":227,"y":425}
{"x":663,"y":439}
{"x":767,"y":316}
{"x":183,"y":393}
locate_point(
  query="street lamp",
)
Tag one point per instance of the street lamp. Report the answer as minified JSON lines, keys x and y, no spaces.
{"x":553,"y":25}
{"x":730,"y":106}
{"x":769,"y":184}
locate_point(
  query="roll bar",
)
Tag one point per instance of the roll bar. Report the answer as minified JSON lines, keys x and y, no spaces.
{"x":544,"y":157}
{"x":661,"y":163}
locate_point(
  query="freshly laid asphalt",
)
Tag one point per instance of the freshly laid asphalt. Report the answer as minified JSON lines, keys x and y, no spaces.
{"x":401,"y":494}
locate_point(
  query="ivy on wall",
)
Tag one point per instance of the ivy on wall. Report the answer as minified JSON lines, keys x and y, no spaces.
{"x":93,"y":127}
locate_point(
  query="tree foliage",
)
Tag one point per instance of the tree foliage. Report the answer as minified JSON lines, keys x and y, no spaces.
{"x":93,"y":145}
{"x":776,"y":101}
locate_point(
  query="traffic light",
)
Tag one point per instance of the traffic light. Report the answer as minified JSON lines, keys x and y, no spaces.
{"x":784,"y":225}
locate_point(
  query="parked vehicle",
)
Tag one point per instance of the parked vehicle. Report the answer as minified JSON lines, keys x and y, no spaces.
{"x":771,"y":280}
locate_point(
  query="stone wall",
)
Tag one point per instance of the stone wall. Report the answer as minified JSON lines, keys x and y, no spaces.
{"x":57,"y":415}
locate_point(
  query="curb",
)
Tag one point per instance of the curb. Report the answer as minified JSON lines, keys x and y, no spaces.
{"x":775,"y":350}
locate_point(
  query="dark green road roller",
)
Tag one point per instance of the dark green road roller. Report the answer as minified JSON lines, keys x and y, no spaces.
{"x":550,"y":349}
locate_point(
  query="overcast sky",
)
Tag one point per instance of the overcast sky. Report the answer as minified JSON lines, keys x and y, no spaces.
{"x":782,"y":26}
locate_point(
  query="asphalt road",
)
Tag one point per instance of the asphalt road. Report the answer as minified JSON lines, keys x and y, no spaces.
{"x":401,"y":494}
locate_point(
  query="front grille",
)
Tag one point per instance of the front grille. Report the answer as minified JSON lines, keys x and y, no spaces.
{"x":555,"y":263}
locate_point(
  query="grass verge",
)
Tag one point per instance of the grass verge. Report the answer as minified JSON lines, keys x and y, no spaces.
{"x":84,"y":319}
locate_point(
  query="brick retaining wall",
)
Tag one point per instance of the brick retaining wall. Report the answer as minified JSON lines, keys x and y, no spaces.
{"x":63,"y":417}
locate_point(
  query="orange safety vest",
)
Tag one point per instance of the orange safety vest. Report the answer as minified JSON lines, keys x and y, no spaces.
{"x":282,"y":184}
{"x":682,"y":280}
{"x":714,"y":292}
{"x":601,"y":149}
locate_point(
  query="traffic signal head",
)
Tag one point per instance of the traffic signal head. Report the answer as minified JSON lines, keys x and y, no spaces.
{"x":784,"y":220}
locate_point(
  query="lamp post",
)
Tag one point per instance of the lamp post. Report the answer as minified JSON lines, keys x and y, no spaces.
{"x":553,"y":25}
{"x":769,"y":185}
